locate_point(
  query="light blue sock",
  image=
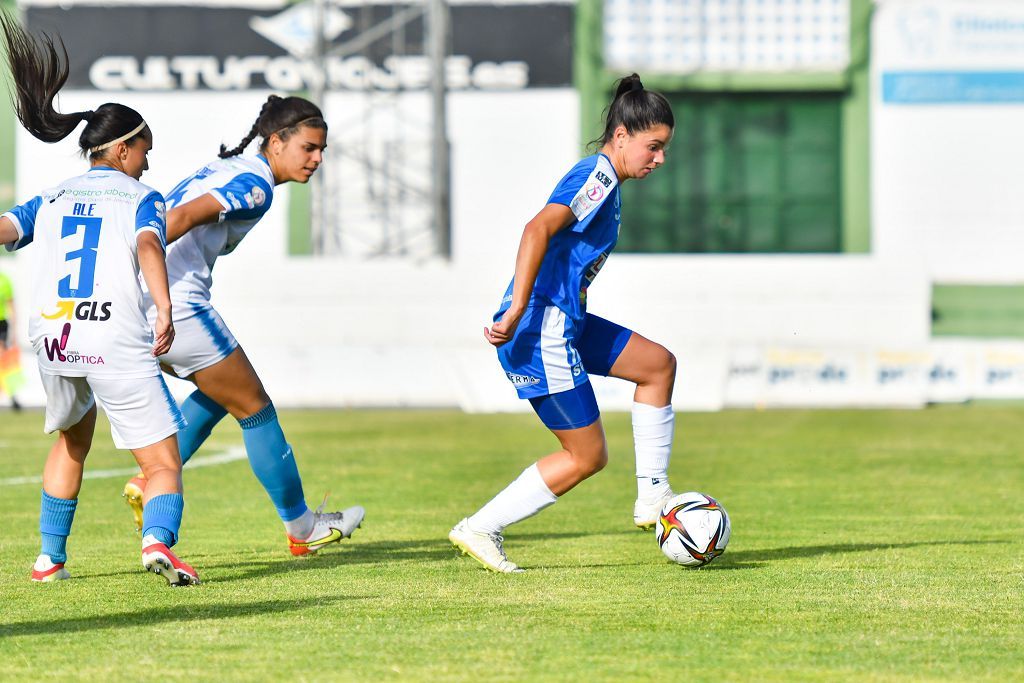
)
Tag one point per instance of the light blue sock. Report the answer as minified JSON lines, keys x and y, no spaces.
{"x":161,"y":518}
{"x":273,"y":463}
{"x":202,"y":414}
{"x":55,"y":518}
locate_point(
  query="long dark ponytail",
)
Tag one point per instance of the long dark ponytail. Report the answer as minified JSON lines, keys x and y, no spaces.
{"x":635,"y":108}
{"x":39,"y":72}
{"x":281,"y":115}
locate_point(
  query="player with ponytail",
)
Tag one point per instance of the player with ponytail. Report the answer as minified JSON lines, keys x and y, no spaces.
{"x":548,"y":343}
{"x":92,"y":235}
{"x":209,"y":213}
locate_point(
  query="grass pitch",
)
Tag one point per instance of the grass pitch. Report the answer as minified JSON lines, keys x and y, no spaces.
{"x":866,"y":546}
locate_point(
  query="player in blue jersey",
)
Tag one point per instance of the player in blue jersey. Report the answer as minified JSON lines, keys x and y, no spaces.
{"x":548,"y":344}
{"x":208,"y":214}
{"x":91,"y":236}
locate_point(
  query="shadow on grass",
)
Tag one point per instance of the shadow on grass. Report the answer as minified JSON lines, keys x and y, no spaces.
{"x":744,"y":559}
{"x":163,"y":616}
{"x":381,"y":553}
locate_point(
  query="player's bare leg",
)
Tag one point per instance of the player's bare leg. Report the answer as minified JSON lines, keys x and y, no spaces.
{"x":233,"y":384}
{"x":62,"y":482}
{"x":584,"y":453}
{"x":162,"y":508}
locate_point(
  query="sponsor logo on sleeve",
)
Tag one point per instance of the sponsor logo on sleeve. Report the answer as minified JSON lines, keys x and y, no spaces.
{"x":258,"y":196}
{"x":581,"y":206}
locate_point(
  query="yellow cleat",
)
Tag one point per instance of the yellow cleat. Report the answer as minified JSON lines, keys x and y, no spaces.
{"x":132,"y":494}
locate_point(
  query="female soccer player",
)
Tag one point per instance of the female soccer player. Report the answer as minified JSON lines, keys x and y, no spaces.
{"x":93,"y":234}
{"x":548,"y":344}
{"x":209,"y":213}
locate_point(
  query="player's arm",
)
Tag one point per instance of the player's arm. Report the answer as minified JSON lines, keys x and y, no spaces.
{"x":200,"y":211}
{"x":8,"y":231}
{"x":532,"y":248}
{"x":154,"y":271}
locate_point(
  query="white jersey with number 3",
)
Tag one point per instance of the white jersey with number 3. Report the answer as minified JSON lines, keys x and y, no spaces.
{"x":87,"y":317}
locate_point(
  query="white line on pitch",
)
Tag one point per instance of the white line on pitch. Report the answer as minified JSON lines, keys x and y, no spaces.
{"x":230,"y":455}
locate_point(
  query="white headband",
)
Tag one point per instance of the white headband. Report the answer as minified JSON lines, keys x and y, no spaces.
{"x":124,"y":137}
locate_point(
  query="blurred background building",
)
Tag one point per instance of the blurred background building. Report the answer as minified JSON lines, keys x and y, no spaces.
{"x":837,"y":223}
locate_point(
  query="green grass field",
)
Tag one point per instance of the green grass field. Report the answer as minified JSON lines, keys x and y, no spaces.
{"x":866,"y":546}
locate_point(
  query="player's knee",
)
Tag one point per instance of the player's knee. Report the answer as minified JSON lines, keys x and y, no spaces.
{"x":162,"y":464}
{"x":592,"y":461}
{"x":669,"y":365}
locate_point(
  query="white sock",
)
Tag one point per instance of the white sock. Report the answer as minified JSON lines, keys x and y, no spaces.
{"x":652,"y":438}
{"x":524,"y":497}
{"x":300,"y":527}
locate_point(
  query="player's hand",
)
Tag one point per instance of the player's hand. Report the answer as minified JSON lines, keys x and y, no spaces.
{"x":503,"y":330}
{"x":163,"y":332}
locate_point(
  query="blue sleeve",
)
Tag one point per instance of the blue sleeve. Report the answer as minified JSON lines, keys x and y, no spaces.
{"x":247,"y":196}
{"x":24,"y":218}
{"x":151,"y":217}
{"x":585,"y":188}
{"x":570,"y":185}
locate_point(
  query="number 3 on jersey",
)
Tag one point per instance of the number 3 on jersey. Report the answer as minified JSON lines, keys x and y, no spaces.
{"x":86,"y":256}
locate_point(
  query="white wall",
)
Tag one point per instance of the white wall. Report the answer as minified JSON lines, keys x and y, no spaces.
{"x":344,"y":332}
{"x":946,"y":174}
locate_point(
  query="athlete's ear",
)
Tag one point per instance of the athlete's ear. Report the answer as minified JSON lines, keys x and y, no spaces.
{"x":275,"y":143}
{"x":621,"y":135}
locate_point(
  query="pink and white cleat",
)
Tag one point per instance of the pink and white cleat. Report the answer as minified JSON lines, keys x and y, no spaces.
{"x":46,"y":571}
{"x":158,"y":558}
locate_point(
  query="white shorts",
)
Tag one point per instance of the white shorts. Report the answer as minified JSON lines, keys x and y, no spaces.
{"x":141,"y":412}
{"x":201,"y":338}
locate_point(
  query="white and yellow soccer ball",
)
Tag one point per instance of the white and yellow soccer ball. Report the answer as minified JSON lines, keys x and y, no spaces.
{"x":692,"y":529}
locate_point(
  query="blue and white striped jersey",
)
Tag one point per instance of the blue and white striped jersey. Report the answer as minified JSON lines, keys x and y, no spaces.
{"x":244,"y":186}
{"x":86,"y":316}
{"x":576,"y":254}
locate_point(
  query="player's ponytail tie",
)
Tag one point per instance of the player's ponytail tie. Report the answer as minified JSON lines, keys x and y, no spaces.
{"x":636,"y":86}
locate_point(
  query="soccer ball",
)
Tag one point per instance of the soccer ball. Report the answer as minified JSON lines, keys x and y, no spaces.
{"x":693,"y":529}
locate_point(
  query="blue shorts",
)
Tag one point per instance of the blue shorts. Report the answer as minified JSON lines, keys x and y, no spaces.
{"x":551,"y":354}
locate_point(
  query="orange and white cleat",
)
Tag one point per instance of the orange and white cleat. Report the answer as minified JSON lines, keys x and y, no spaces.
{"x":158,"y":558}
{"x":46,"y":570}
{"x":328,"y":527}
{"x":132,"y":495}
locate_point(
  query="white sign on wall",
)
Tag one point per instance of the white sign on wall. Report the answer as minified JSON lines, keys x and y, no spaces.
{"x":683,"y":36}
{"x":948,"y":99}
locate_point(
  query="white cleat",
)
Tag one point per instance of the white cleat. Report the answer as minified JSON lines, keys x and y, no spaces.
{"x":328,"y":527}
{"x":645,"y":514}
{"x":484,"y":548}
{"x":46,"y":571}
